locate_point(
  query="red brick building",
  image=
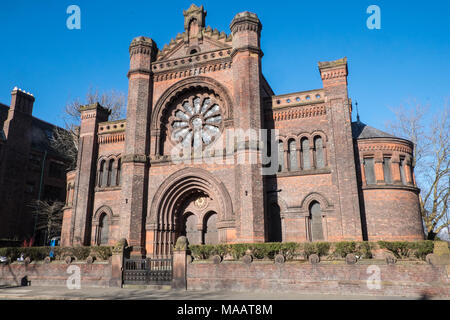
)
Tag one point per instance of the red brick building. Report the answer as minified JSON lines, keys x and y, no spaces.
{"x":30,"y":168}
{"x":336,"y":180}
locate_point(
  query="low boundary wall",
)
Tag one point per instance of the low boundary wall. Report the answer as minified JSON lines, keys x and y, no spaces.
{"x":97,"y":274}
{"x":362,"y":279}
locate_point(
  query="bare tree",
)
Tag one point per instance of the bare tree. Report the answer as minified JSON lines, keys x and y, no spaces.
{"x":49,"y":216}
{"x":66,"y":140}
{"x":430,"y":134}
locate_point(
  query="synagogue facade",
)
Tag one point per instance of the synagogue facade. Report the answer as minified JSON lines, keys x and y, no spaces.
{"x":334,"y":179}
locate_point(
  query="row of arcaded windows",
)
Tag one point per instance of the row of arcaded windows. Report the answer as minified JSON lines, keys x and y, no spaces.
{"x":109,"y":173}
{"x":388,"y":166}
{"x":308,"y":156}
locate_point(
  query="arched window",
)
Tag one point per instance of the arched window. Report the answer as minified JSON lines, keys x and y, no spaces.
{"x":190,"y":229}
{"x":387,"y":170}
{"x":315,"y":222}
{"x":111,"y":178}
{"x":280,"y":156}
{"x":274,"y":223}
{"x":103,"y":230}
{"x":100,"y":173}
{"x":119,"y":171}
{"x":306,"y":164}
{"x":210,"y":234}
{"x":292,"y":149}
{"x":105,"y":174}
{"x":402,"y":170}
{"x":318,"y":149}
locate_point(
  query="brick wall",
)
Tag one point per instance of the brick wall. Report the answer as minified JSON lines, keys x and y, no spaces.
{"x":396,"y":280}
{"x":97,"y":274}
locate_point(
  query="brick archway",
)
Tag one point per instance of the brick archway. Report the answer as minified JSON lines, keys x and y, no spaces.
{"x":165,"y":218}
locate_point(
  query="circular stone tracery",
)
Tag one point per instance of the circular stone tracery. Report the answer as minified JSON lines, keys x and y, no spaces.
{"x":196,"y":122}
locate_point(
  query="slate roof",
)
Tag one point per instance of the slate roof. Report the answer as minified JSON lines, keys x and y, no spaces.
{"x":361,"y":130}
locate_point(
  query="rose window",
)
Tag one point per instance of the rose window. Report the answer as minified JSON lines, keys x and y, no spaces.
{"x":196,"y":122}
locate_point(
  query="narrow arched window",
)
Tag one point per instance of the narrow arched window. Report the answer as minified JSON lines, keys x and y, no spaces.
{"x":402,"y":170}
{"x":103,"y":231}
{"x":111,"y":173}
{"x":318,"y":149}
{"x":292,"y":147}
{"x":274,"y":223}
{"x":100,"y":173}
{"x":369,"y":170}
{"x":387,"y":170}
{"x":315,"y":222}
{"x":210,"y":234}
{"x":280,"y":156}
{"x":306,"y":164}
{"x":105,"y":174}
{"x":119,"y":171}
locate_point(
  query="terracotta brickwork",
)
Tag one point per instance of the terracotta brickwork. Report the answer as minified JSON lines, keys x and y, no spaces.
{"x":396,"y":280}
{"x":30,"y":169}
{"x":128,"y":184}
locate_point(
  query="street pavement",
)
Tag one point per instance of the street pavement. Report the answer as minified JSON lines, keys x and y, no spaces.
{"x":92,"y":293}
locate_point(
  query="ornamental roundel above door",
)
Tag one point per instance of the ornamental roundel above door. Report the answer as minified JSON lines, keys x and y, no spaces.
{"x":197,"y":121}
{"x":201,"y":202}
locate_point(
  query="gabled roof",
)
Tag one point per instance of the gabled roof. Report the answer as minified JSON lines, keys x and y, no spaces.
{"x":195,"y":37}
{"x":212,"y":40}
{"x":363,"y":131}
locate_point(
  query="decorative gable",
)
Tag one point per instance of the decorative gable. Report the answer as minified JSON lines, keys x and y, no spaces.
{"x":195,"y":38}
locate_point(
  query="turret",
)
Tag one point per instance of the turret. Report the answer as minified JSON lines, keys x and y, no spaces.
{"x":137,"y":142}
{"x":91,"y":115}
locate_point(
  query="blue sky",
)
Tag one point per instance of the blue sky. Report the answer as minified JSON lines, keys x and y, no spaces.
{"x":409,"y":58}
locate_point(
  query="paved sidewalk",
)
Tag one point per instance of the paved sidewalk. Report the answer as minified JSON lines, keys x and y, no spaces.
{"x":62,"y":293}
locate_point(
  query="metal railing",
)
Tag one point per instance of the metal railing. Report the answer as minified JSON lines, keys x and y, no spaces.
{"x":153,"y":270}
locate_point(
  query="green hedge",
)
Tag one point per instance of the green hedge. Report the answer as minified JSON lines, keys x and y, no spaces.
{"x":362,"y":249}
{"x":238,"y":250}
{"x":406,"y":249}
{"x":401,"y":249}
{"x":39,"y":253}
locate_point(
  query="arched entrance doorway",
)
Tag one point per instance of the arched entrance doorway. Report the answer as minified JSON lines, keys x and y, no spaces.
{"x":193,"y":203}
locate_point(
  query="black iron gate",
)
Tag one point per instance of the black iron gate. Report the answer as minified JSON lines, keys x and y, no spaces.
{"x":154,"y":270}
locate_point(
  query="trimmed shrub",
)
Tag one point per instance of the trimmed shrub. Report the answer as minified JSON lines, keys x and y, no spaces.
{"x":101,"y":252}
{"x":39,"y":253}
{"x":238,"y":250}
{"x":422,"y":248}
{"x":400,"y":249}
{"x":405,"y":249}
{"x":343,"y":248}
{"x":361,"y":249}
{"x":319,"y":248}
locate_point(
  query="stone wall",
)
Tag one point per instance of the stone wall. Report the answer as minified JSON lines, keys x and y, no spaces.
{"x":402,"y":279}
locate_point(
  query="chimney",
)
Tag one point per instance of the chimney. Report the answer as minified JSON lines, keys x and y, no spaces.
{"x":21,"y":101}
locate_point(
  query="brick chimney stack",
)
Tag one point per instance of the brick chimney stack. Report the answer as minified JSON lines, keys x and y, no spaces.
{"x":22,"y":101}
